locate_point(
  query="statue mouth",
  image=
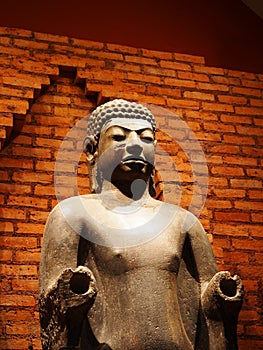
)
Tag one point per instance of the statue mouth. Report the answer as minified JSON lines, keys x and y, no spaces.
{"x":135,"y":163}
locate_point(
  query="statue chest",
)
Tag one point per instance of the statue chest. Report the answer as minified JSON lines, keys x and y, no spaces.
{"x":162,"y":253}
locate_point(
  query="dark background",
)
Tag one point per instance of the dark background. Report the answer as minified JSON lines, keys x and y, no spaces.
{"x":226,"y":32}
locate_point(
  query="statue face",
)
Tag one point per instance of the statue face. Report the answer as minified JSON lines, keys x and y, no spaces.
{"x":126,"y":149}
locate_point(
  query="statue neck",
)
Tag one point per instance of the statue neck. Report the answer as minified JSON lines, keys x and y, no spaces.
{"x":116,"y":196}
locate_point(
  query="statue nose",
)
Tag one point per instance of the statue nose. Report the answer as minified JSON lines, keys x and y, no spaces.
{"x":134,"y":145}
{"x":134,"y":149}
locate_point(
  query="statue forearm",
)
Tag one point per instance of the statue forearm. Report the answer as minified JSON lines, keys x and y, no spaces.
{"x":222,"y":300}
{"x":64,"y":307}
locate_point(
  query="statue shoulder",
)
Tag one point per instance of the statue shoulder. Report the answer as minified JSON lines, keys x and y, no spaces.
{"x":70,"y":213}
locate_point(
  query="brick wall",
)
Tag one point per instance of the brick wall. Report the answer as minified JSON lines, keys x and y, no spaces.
{"x":49,"y":83}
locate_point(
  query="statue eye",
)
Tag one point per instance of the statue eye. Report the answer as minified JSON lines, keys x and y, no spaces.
{"x":118,"y":137}
{"x":147,"y":139}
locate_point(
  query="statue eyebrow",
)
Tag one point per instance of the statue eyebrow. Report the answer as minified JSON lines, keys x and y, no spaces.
{"x":138,"y":131}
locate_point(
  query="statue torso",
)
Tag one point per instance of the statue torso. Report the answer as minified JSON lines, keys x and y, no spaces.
{"x":137,"y":307}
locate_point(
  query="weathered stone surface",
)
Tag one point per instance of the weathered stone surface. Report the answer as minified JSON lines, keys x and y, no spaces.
{"x":157,"y":283}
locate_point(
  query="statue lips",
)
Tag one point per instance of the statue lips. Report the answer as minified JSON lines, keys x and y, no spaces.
{"x":135,"y":163}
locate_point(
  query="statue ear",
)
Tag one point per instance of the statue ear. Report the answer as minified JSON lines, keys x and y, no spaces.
{"x":90,"y":147}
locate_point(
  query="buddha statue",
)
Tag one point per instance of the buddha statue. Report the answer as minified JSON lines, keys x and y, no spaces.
{"x":121,"y":270}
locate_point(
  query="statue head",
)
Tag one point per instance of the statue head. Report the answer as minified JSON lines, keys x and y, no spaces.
{"x":120,"y":144}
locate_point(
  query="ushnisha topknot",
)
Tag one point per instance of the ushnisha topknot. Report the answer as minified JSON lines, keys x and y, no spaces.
{"x":117,"y":108}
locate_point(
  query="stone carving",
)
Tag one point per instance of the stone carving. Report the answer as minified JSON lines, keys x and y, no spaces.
{"x":123,"y":271}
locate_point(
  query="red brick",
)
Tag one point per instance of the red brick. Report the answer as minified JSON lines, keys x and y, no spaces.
{"x":47,"y":165}
{"x":6,"y":226}
{"x":163,"y":91}
{"x":217,"y":107}
{"x":227,"y":171}
{"x":209,"y":70}
{"x":27,"y":201}
{"x":232,"y":99}
{"x":221,"y":242}
{"x":256,"y":217}
{"x":16,"y":315}
{"x":213,"y":203}
{"x":44,"y":190}
{"x":37,"y":130}
{"x":201,"y":115}
{"x":232,"y":216}
{"x":18,"y":242}
{"x":107,"y":55}
{"x":240,"y":140}
{"x":127,"y":67}
{"x":255,"y":194}
{"x":6,"y":120}
{"x":212,"y":87}
{"x":246,"y":91}
{"x":36,"y":66}
{"x":4,"y":176}
{"x":26,"y":256}
{"x":175,"y":65}
{"x":254,"y":330}
{"x":17,"y":329}
{"x":255,"y":172}
{"x":60,"y":48}
{"x":179,"y":83}
{"x":253,"y":151}
{"x":249,"y":111}
{"x":23,"y":140}
{"x":19,"y":270}
{"x":30,"y":44}
{"x":245,"y":183}
{"x":246,"y":75}
{"x":248,"y":205}
{"x":250,"y":270}
{"x":253,"y":84}
{"x":182,"y":103}
{"x":249,"y":130}
{"x":241,"y":161}
{"x":248,"y":315}
{"x":11,"y":213}
{"x":155,"y":54}
{"x":25,"y":285}
{"x":11,"y":344}
{"x":198,"y":95}
{"x":258,"y":122}
{"x":130,"y":50}
{"x":87,"y":44}
{"x":256,"y":231}
{"x":6,"y":255}
{"x":31,"y":152}
{"x":140,"y":60}
{"x":52,"y":143}
{"x":26,"y":81}
{"x":256,"y":102}
{"x":14,"y":106}
{"x":38,"y":216}
{"x":259,"y":258}
{"x":230,"y":230}
{"x":229,"y":193}
{"x":235,"y":119}
{"x":239,"y":257}
{"x":193,"y":76}
{"x":15,"y":188}
{"x":25,"y":176}
{"x":201,"y":135}
{"x":247,"y":244}
{"x":217,"y":182}
{"x":51,"y":38}
{"x":25,"y":228}
{"x":250,"y":285}
{"x":209,"y":126}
